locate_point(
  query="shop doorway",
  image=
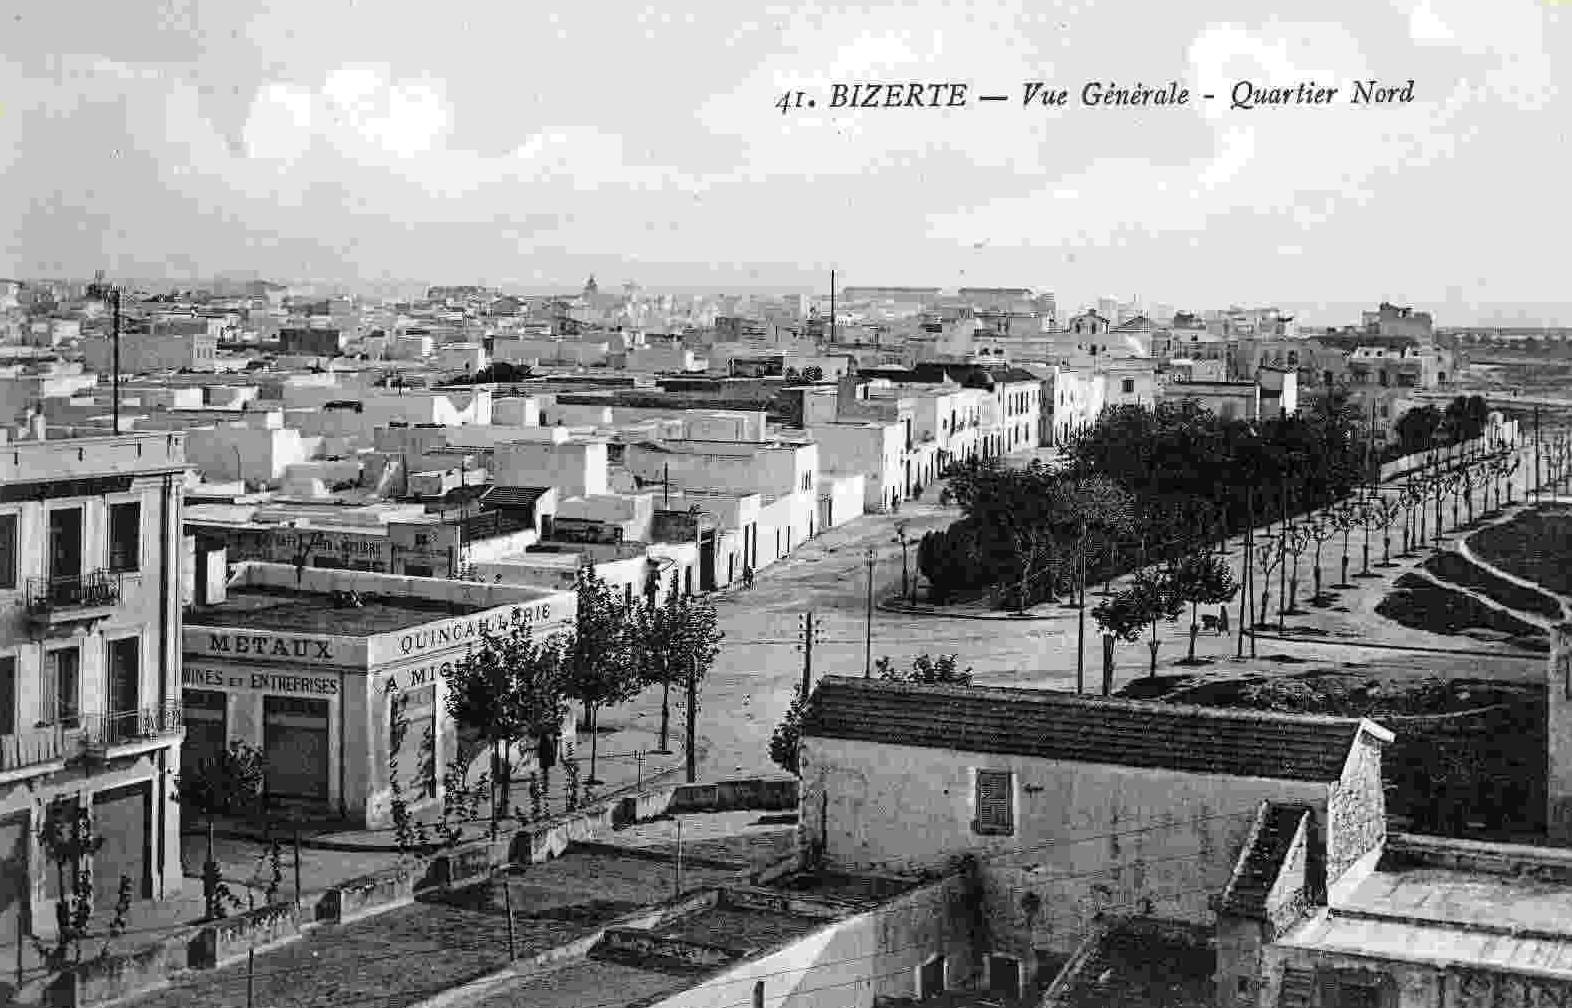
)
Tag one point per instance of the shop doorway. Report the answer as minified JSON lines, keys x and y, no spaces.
{"x":295,"y":744}
{"x":121,"y":817}
{"x":207,"y":728}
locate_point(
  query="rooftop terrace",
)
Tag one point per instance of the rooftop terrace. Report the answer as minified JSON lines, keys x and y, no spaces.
{"x":267,"y":608}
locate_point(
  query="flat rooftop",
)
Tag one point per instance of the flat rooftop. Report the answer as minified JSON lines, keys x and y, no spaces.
{"x":266,"y":608}
{"x":1443,"y":917}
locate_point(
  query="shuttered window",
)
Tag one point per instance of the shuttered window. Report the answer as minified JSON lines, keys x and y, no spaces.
{"x":995,"y":802}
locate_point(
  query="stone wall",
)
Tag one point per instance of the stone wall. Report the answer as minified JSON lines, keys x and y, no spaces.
{"x":1558,"y":681}
{"x":1356,"y":809}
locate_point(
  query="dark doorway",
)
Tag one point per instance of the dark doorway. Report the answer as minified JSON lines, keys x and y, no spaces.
{"x":1004,"y":975}
{"x":931,"y":979}
{"x":121,"y":817}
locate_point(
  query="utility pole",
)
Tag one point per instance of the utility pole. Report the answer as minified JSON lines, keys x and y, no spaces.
{"x":832,"y":307}
{"x":693,"y":722}
{"x":665,"y":487}
{"x":114,"y":303}
{"x":1537,"y":495}
{"x":810,"y":629}
{"x":867,"y":660}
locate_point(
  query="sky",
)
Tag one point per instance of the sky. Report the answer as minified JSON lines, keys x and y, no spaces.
{"x":529,"y":145}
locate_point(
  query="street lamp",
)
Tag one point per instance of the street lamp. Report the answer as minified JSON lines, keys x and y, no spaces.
{"x":908,"y":590}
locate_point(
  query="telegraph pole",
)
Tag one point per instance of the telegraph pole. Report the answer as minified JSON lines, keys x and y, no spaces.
{"x":832,"y":307}
{"x":693,"y":722}
{"x":809,"y":631}
{"x":867,"y":662}
{"x":1538,"y":496}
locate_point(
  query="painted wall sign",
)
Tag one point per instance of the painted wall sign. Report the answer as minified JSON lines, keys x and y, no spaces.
{"x":465,"y":630}
{"x":268,"y":682}
{"x":293,"y":649}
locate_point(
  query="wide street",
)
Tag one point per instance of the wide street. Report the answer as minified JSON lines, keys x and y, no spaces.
{"x":751,"y":685}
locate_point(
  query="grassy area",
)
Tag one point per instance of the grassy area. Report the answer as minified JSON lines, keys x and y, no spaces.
{"x":1420,"y":604}
{"x":1459,"y":570}
{"x":1535,"y":546}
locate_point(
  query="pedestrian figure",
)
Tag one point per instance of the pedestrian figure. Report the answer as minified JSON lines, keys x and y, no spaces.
{"x":747,"y":576}
{"x":1222,"y":621}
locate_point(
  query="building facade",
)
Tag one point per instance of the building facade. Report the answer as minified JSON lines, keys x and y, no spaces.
{"x":335,"y":674}
{"x":90,"y":573}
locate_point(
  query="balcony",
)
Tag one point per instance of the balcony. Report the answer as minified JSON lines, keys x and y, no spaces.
{"x":101,"y":733}
{"x":33,"y":747}
{"x":57,"y":600}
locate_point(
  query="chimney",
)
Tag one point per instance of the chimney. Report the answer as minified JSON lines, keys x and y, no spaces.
{"x":38,"y":427}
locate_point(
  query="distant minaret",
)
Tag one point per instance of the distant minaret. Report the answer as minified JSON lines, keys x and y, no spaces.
{"x":591,"y":288}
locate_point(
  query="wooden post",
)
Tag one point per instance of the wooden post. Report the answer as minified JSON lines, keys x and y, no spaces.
{"x":507,"y":902}
{"x":677,"y":880}
{"x":758,"y":994}
{"x":297,"y":869}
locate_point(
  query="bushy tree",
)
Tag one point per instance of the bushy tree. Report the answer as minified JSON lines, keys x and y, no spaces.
{"x":507,"y":691}
{"x":230,"y":782}
{"x":949,"y":559}
{"x":1201,"y":577}
{"x":786,"y":741}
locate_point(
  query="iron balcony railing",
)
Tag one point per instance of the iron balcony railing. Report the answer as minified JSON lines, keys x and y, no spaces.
{"x":96,"y":588}
{"x":103,"y":731}
{"x":32,"y":746}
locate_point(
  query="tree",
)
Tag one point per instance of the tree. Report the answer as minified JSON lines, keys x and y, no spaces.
{"x":786,"y":742}
{"x":1267,"y":557}
{"x":1296,"y":539}
{"x":1201,"y":577}
{"x":1384,"y":512}
{"x":1320,"y":528}
{"x":505,"y":691}
{"x":231,"y":782}
{"x":949,"y":559}
{"x":926,"y":670}
{"x":599,"y":660}
{"x":1148,"y":600}
{"x":676,"y":639}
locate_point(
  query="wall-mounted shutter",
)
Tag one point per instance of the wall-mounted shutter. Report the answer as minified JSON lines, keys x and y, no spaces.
{"x":995,"y":802}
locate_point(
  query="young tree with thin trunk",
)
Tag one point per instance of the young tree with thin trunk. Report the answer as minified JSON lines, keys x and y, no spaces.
{"x":1320,"y":527}
{"x":508,"y":691}
{"x":1149,"y":600}
{"x":673,"y":640}
{"x":599,"y":658}
{"x":1269,"y":553}
{"x":1201,"y":577}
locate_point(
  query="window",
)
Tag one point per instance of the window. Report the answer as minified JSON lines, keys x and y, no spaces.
{"x":995,"y":801}
{"x":125,"y":536}
{"x":8,"y":551}
{"x":60,"y":703}
{"x":7,"y":694}
{"x":1127,"y":386}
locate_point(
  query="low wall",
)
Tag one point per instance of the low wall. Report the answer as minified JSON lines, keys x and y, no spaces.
{"x":777,"y":902}
{"x":465,"y":864}
{"x":1406,"y":850}
{"x":226,"y":940}
{"x":100,"y":980}
{"x":367,"y":895}
{"x":624,"y":943}
{"x":753,"y":794}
